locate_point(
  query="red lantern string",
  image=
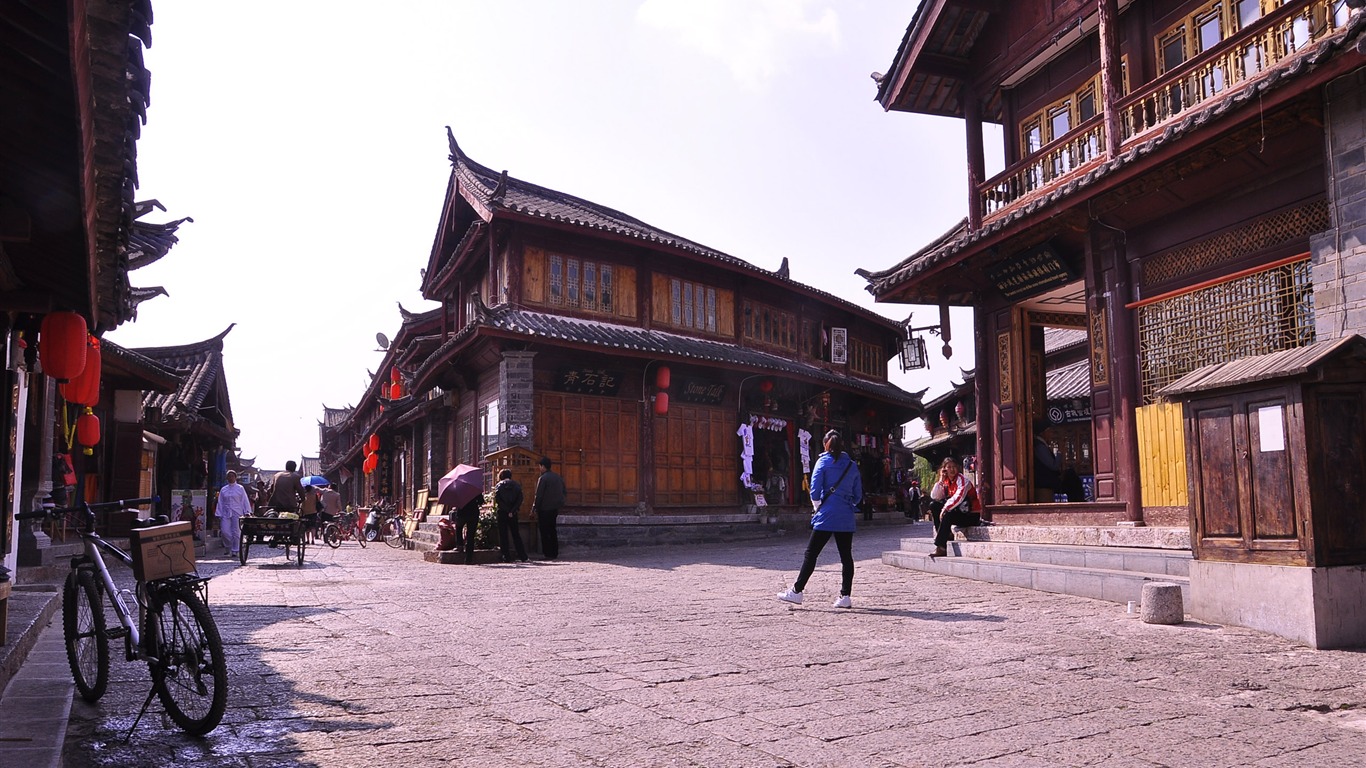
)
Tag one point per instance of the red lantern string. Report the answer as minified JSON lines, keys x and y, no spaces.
{"x":88,"y":431}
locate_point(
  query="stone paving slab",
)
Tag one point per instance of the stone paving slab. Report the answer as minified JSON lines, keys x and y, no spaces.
{"x":682,"y":656}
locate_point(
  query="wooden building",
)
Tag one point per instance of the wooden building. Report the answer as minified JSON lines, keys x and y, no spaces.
{"x":1183,"y":181}
{"x":661,"y":377}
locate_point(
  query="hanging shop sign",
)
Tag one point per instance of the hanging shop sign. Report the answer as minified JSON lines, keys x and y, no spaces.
{"x":1031,"y":272}
{"x":700,"y":391}
{"x":1066,"y":412}
{"x":588,"y":381}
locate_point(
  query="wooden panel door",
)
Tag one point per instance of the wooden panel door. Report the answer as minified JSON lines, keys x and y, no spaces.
{"x":696,"y":457}
{"x":1216,"y":478}
{"x":595,"y":445}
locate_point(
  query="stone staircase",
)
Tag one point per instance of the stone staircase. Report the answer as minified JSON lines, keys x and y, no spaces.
{"x":1103,"y":563}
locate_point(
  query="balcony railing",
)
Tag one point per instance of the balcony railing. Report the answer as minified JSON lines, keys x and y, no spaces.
{"x":1259,"y":47}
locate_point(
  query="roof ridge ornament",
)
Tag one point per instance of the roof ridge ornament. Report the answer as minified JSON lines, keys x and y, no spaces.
{"x":500,"y":190}
{"x":456,"y":154}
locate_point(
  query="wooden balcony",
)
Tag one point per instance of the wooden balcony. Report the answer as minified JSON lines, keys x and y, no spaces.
{"x":1277,"y":37}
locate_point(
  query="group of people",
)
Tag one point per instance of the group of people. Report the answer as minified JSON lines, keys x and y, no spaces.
{"x":507,"y":500}
{"x":286,"y":494}
{"x":837,"y":489}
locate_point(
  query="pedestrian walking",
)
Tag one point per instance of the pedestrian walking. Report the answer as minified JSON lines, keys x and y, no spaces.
{"x":546,"y":506}
{"x":836,"y":490}
{"x":960,"y":504}
{"x":232,"y":505}
{"x":507,"y":500}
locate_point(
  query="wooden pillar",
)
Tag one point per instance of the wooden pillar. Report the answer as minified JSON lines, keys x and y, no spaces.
{"x":1110,"y":73}
{"x":1128,"y":397}
{"x":972,"y":116}
{"x":986,"y":480}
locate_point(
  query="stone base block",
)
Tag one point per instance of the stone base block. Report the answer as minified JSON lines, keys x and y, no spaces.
{"x":1320,"y":607}
{"x":457,"y":556}
{"x":1162,"y":604}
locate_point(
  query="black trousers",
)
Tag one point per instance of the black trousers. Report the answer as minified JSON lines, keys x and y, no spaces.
{"x":464,"y":531}
{"x":550,"y":539}
{"x":950,"y":518}
{"x":844,"y":540}
{"x":509,"y":529}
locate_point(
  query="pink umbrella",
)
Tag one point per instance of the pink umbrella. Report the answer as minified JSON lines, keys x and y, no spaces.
{"x":460,"y":485}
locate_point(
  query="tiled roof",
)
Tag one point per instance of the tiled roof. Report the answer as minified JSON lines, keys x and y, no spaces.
{"x":200,"y":365}
{"x":1277,"y":365}
{"x":1056,"y":339}
{"x":1068,"y":382}
{"x":515,"y":321}
{"x":140,"y":367}
{"x":335,"y":416}
{"x":149,"y":242}
{"x":495,"y":191}
{"x":959,"y":238}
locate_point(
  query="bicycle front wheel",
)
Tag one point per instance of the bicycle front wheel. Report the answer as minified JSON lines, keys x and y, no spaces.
{"x":87,"y":641}
{"x":393,"y":533}
{"x":189,"y":670}
{"x":332,"y":535}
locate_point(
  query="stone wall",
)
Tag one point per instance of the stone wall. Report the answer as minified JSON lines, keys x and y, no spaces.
{"x":1339,"y":255}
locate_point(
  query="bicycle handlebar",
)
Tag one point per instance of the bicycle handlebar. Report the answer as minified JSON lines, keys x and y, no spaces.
{"x":87,"y":507}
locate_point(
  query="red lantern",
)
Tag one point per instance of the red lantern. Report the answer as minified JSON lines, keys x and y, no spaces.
{"x":61,"y":345}
{"x":766,"y":386}
{"x":394,"y":375}
{"x":662,"y":377}
{"x":84,"y":389}
{"x":374,"y":443}
{"x":371,"y":463}
{"x":88,"y":431}
{"x":662,"y":403}
{"x":961,"y":410}
{"x":396,"y":391}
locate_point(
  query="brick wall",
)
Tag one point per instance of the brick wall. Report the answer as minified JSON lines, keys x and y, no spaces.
{"x":1339,"y":255}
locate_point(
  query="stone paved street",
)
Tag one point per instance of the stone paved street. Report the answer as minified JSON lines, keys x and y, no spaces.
{"x":683,"y":657}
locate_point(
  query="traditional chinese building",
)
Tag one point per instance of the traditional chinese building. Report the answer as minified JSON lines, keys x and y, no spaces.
{"x":1183,"y":184}
{"x":661,"y":377}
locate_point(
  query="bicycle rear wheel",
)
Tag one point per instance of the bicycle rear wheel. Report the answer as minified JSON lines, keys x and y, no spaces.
{"x":359,"y":536}
{"x":393,"y":533}
{"x":189,"y":670}
{"x":87,"y":640}
{"x":332,"y":535}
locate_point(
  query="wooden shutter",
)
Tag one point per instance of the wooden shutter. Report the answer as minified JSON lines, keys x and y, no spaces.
{"x":533,"y":276}
{"x":624,"y":285}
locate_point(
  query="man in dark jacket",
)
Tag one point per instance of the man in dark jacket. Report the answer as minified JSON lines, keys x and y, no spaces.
{"x":548,"y":500}
{"x":507,"y":501}
{"x":467,"y":524}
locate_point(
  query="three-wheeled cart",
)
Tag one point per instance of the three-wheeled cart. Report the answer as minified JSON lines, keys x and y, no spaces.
{"x":276,"y":531}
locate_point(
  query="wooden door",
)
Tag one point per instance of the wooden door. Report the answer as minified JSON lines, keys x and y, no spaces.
{"x":595,"y":445}
{"x":696,"y":457}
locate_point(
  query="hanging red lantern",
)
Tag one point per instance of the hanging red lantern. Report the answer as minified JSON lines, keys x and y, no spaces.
{"x":84,"y":389}
{"x":766,"y":386}
{"x":374,"y":443}
{"x":394,"y":375}
{"x":662,"y":375}
{"x":961,"y":410}
{"x":662,"y":403}
{"x":396,"y":391}
{"x":371,"y":463}
{"x":62,"y":345}
{"x":88,"y":431}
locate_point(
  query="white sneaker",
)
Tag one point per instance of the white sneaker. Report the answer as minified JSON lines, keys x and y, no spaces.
{"x":844,"y":602}
{"x":791,"y":597}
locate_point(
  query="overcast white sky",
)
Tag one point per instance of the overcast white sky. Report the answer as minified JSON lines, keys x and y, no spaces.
{"x":307,"y":140}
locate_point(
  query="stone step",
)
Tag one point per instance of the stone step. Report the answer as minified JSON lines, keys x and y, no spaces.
{"x":1142,"y":560}
{"x":1116,"y":586}
{"x":1146,"y":537}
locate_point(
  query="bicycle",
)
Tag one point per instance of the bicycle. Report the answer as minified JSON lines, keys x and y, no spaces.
{"x":178,"y":637}
{"x":386,"y":522}
{"x":344,"y":528}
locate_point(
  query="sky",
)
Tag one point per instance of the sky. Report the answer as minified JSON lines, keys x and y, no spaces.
{"x":307,"y":140}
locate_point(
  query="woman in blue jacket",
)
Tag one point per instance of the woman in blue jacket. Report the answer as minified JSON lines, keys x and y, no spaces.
{"x":836,"y":490}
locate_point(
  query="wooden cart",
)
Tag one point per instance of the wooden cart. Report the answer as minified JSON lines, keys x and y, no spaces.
{"x":276,"y":531}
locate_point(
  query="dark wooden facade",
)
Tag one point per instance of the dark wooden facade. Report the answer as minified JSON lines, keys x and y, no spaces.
{"x":1161,"y":161}
{"x":565,"y":327}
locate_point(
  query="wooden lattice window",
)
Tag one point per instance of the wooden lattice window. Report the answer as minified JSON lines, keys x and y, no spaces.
{"x":769,"y":325}
{"x":1254,"y":312}
{"x":868,"y":359}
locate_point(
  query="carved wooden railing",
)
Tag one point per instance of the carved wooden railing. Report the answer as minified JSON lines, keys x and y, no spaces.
{"x":1257,"y":48}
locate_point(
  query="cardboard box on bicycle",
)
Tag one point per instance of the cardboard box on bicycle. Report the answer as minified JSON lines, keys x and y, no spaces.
{"x":162,"y":551}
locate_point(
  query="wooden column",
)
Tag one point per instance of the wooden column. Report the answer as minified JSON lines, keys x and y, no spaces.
{"x":1108,"y":11}
{"x":985,"y":412}
{"x":972,"y":117}
{"x":1124,"y":369}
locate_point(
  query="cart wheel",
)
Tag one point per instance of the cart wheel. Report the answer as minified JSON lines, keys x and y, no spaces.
{"x":243,"y":547}
{"x":301,"y":553}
